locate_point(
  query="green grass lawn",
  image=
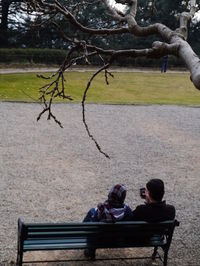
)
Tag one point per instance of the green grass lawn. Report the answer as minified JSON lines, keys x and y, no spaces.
{"x":125,"y":88}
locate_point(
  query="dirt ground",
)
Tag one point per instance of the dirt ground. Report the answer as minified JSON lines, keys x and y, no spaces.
{"x":49,"y":174}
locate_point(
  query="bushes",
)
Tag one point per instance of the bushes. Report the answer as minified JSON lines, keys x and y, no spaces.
{"x":149,"y":62}
{"x":55,"y":56}
{"x":32,"y":56}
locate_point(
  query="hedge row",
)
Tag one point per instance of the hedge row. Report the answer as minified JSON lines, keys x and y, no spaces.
{"x":55,"y":56}
{"x":143,"y":62}
{"x":44,"y":56}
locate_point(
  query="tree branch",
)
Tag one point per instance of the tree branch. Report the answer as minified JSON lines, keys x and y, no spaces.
{"x":83,"y":108}
{"x":58,"y":8}
{"x":184,"y":18}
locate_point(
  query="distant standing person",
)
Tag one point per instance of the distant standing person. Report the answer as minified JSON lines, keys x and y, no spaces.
{"x":164,"y":64}
{"x":154,"y":209}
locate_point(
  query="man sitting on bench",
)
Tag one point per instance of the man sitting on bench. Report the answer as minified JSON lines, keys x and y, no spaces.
{"x":154,"y":209}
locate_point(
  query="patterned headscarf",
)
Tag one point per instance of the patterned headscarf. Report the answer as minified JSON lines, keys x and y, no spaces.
{"x":117,"y":195}
{"x":114,"y":208}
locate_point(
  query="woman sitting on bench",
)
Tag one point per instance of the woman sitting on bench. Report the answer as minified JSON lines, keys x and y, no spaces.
{"x":112,"y":210}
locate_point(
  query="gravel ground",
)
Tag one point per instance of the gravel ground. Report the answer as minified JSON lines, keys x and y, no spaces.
{"x":11,"y":70}
{"x":52,"y":174}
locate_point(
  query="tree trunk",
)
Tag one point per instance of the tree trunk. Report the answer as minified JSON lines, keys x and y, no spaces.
{"x":4,"y":23}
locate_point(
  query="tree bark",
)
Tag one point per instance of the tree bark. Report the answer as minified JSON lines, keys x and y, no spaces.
{"x":192,"y":61}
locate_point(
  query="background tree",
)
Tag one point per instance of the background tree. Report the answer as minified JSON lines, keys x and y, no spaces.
{"x":96,"y":28}
{"x":9,"y":16}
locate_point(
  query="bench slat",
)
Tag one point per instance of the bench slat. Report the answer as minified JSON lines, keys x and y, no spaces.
{"x":92,"y":240}
{"x":81,"y":244}
{"x":85,"y":226}
{"x":91,"y":233}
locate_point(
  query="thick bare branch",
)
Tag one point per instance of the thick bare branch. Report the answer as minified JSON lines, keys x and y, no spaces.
{"x":185,"y":51}
{"x":58,"y":8}
{"x":193,"y":7}
{"x":184,"y":18}
{"x":173,"y":37}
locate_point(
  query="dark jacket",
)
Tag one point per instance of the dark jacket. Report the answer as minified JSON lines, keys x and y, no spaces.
{"x":154,"y":212}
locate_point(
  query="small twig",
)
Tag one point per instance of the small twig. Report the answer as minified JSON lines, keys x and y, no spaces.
{"x":49,"y":77}
{"x":53,"y":89}
{"x":108,"y":73}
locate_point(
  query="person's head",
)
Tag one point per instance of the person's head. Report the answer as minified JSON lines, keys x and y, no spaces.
{"x":117,"y":195}
{"x":154,"y":190}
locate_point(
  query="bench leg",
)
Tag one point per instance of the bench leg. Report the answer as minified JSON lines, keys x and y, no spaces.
{"x":19,"y":258}
{"x":90,"y":253}
{"x":20,"y":243}
{"x":154,"y":253}
{"x":165,"y":257}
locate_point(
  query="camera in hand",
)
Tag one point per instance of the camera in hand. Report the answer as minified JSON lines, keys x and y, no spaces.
{"x":142,"y":193}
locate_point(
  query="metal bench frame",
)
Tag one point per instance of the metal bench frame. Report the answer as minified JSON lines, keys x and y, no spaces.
{"x":68,"y":236}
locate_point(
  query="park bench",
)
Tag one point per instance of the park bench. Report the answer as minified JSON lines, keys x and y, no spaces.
{"x":66,"y":236}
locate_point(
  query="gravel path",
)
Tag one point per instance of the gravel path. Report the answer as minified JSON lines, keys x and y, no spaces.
{"x":52,"y":174}
{"x":9,"y":70}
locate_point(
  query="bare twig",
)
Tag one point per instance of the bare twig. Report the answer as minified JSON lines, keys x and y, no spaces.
{"x":83,"y":108}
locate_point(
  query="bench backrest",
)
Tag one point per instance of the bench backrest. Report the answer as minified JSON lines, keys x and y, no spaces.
{"x":82,"y":235}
